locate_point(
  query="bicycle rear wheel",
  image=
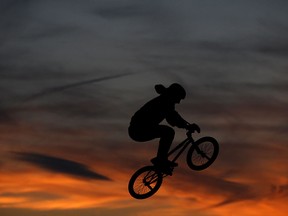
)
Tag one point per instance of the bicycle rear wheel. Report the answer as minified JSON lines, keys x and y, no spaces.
{"x":202,"y":153}
{"x":145,"y":182}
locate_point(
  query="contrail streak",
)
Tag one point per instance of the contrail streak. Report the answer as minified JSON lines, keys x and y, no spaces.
{"x":73,"y":85}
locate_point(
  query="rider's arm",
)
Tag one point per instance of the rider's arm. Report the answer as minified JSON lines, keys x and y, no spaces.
{"x":175,"y":119}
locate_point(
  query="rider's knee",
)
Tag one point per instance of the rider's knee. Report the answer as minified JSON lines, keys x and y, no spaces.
{"x":169,"y":132}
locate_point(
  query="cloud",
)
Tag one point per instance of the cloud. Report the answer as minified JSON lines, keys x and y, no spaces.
{"x":5,"y":116}
{"x":231,"y":191}
{"x":126,"y":11}
{"x":280,"y":190}
{"x":60,"y":165}
{"x":70,"y":212}
{"x":33,"y":195}
{"x":233,"y":68}
{"x":276,"y":48}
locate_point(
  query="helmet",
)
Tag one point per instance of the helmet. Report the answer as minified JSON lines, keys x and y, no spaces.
{"x":176,"y":90}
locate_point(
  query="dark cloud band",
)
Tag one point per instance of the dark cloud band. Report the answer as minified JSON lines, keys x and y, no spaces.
{"x":60,"y":165}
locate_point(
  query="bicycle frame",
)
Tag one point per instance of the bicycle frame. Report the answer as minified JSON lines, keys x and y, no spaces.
{"x":183,"y":145}
{"x":146,"y":181}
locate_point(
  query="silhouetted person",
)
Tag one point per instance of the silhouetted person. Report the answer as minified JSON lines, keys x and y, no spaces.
{"x":145,"y":124}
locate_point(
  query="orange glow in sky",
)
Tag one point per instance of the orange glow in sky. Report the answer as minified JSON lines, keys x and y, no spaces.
{"x":73,"y":73}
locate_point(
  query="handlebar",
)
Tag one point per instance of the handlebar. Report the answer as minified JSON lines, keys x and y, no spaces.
{"x":191,"y":128}
{"x":194,"y":127}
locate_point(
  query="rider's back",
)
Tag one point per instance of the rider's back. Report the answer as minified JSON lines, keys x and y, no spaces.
{"x":153,"y":112}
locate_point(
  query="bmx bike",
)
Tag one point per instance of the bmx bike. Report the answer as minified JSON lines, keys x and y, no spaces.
{"x":147,"y":180}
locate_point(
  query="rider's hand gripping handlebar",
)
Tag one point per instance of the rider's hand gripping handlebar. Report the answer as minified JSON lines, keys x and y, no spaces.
{"x":192,"y":128}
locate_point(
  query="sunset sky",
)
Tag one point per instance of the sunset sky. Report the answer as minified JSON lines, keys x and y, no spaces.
{"x":73,"y":72}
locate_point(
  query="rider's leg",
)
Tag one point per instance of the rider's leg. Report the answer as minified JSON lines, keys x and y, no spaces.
{"x":166,"y":138}
{"x":165,"y":133}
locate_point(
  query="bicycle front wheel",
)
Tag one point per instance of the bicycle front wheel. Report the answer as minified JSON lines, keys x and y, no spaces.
{"x":202,"y":153}
{"x":145,"y":182}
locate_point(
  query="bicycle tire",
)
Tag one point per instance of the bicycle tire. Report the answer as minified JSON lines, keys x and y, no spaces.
{"x":145,"y":182}
{"x":202,"y":153}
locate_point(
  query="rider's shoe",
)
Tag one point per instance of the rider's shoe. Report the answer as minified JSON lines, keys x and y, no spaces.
{"x":164,"y":164}
{"x":172,"y":163}
{"x":160,"y":161}
{"x":167,"y":170}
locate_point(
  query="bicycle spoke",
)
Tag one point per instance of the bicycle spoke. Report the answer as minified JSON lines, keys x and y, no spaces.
{"x":145,"y":183}
{"x":204,"y":152}
{"x":205,"y":156}
{"x":149,"y":187}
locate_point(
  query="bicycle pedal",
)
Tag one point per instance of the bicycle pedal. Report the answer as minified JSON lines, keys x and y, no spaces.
{"x":168,"y":172}
{"x":174,"y":165}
